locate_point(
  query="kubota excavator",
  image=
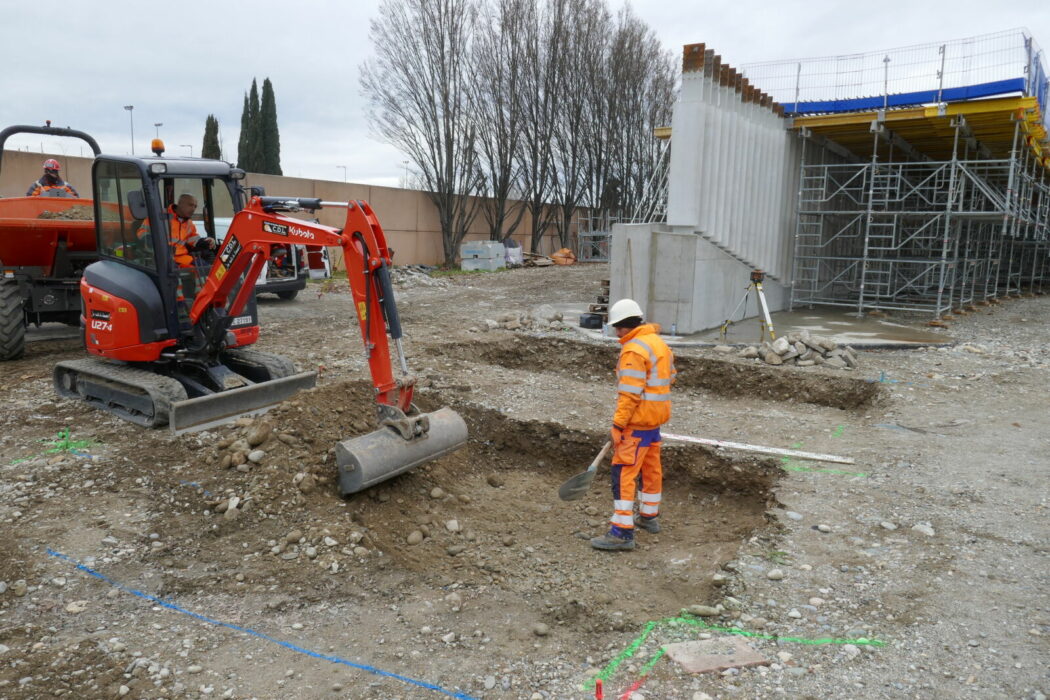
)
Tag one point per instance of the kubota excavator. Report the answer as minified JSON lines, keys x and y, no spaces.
{"x":169,"y":345}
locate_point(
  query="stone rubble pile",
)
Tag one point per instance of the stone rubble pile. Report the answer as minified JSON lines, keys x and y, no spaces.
{"x":539,"y":318}
{"x":409,"y":276}
{"x":803,"y":350}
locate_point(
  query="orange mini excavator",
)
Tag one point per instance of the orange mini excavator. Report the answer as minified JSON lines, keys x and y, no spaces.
{"x":169,"y":344}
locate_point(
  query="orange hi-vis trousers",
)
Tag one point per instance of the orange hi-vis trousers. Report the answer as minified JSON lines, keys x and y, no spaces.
{"x":638,"y":453}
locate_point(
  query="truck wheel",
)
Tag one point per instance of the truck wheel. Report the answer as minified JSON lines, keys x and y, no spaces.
{"x":288,"y":294}
{"x":12,"y":321}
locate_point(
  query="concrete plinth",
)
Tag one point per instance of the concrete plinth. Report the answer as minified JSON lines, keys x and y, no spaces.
{"x":682,"y":280}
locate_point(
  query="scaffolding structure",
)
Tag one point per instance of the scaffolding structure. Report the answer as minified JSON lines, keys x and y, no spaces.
{"x":899,"y":231}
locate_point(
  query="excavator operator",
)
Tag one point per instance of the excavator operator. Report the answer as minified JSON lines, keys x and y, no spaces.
{"x":51,"y":185}
{"x":184,"y":237}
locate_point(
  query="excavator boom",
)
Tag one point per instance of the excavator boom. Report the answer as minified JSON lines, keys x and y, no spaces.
{"x":407,"y":437}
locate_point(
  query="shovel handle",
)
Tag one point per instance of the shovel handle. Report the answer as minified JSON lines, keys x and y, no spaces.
{"x":601,"y":455}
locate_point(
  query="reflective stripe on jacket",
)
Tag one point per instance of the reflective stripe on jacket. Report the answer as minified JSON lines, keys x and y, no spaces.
{"x":40,"y":187}
{"x":183,"y":238}
{"x":644,"y":377}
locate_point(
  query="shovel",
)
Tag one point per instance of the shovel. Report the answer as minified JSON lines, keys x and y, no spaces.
{"x":577,"y":486}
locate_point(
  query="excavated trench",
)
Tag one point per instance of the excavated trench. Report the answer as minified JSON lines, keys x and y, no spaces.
{"x":724,"y":377}
{"x":514,"y":549}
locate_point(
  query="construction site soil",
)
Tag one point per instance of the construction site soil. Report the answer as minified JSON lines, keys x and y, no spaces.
{"x":225,"y":564}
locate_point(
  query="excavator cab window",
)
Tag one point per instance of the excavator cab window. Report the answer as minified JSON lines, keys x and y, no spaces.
{"x":121,"y":214}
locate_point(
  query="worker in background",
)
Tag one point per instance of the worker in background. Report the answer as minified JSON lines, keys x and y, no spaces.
{"x":184,"y":237}
{"x":644,"y":374}
{"x":51,"y":184}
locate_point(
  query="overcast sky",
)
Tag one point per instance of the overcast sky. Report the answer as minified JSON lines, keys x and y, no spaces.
{"x":78,"y":64}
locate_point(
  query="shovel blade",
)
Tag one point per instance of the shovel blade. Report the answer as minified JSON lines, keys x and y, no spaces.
{"x":575,"y":488}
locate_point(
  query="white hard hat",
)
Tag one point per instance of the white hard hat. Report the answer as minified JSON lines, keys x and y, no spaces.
{"x":625,"y":308}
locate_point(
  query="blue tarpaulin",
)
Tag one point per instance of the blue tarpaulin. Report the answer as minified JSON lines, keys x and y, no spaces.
{"x":909,"y":99}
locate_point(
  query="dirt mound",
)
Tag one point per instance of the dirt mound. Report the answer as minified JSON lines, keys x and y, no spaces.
{"x":77,"y":212}
{"x":589,"y":361}
{"x":485,"y":517}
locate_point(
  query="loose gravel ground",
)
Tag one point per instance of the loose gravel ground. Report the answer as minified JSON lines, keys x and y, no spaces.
{"x":224,"y":564}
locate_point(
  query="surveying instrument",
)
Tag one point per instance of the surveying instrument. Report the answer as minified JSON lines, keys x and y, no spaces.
{"x":766,"y":324}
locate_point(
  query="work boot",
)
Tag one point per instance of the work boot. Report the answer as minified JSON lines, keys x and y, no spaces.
{"x":611,"y":542}
{"x":650,"y":525}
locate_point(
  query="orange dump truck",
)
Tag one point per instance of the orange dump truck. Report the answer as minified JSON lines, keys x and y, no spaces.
{"x":45,"y":244}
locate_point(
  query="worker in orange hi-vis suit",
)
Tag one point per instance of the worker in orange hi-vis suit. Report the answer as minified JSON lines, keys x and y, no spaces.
{"x":51,"y":184}
{"x":645,"y":374}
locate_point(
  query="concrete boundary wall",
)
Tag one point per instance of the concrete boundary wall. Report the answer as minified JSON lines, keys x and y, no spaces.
{"x":408,"y":217}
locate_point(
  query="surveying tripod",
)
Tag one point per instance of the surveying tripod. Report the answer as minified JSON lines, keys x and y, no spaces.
{"x":766,"y":323}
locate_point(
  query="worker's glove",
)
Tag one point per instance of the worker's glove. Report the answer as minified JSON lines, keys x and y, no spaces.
{"x":624,"y":445}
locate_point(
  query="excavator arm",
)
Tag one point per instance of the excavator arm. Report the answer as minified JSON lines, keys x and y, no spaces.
{"x":260,"y":226}
{"x":406,"y":437}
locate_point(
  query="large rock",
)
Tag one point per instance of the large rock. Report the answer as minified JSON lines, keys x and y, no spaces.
{"x":546,"y":312}
{"x":771,"y":358}
{"x":780,"y":345}
{"x":258,"y":433}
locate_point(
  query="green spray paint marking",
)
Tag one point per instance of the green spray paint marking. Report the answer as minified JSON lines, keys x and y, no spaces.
{"x":62,"y":443}
{"x":627,"y":653}
{"x":862,"y":641}
{"x":824,"y":471}
{"x":792,"y":465}
{"x":637,"y":643}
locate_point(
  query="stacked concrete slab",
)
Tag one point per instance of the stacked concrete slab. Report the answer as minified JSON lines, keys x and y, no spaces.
{"x":731,"y":204}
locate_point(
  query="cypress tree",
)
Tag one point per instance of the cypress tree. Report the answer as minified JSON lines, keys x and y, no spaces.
{"x":255,"y":151}
{"x":210,"y":147}
{"x":243,"y":151}
{"x":270,"y":136}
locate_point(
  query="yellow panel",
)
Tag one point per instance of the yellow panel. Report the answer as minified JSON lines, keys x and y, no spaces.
{"x":929,"y":130}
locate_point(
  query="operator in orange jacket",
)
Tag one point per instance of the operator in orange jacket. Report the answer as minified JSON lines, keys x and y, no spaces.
{"x":183,"y":232}
{"x":645,"y":374}
{"x":51,"y":184}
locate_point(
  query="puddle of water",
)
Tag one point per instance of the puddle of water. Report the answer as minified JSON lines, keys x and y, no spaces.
{"x":840,"y":326}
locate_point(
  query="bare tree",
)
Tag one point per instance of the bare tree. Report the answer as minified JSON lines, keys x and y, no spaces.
{"x":590,"y":24}
{"x":544,"y":36}
{"x":418,"y":85}
{"x":499,"y":62}
{"x":645,"y":78}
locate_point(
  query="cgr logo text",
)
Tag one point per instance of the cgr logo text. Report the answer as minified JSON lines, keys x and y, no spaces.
{"x":276,"y":229}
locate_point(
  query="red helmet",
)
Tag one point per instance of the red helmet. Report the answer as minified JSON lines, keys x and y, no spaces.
{"x":51,"y":164}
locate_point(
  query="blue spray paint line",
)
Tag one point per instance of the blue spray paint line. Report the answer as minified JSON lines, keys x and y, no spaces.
{"x":254,"y":633}
{"x":195,"y":485}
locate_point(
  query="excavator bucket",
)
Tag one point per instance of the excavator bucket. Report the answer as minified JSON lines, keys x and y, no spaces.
{"x":369,"y":459}
{"x":209,"y":411}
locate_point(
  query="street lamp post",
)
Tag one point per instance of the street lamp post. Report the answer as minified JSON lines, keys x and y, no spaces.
{"x":158,"y":125}
{"x":131,"y":119}
{"x":189,"y":146}
{"x":344,"y":171}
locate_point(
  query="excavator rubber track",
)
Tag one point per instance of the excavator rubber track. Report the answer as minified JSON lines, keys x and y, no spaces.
{"x":155,"y":400}
{"x":136,"y":395}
